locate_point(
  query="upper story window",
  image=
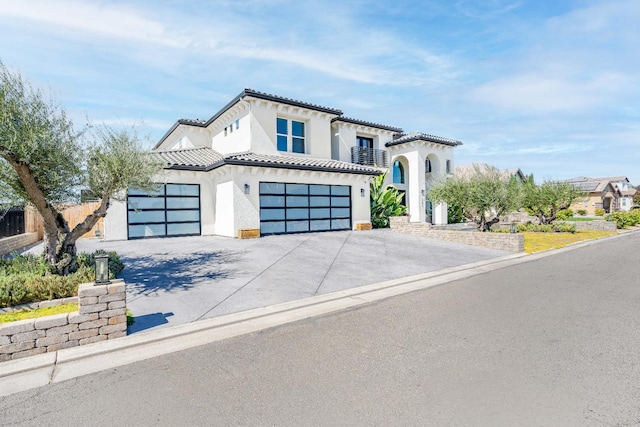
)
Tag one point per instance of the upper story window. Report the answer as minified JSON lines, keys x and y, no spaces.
{"x":449,"y":168}
{"x":427,"y":166}
{"x":398,"y":172}
{"x":290,"y":135}
{"x":364,"y":142}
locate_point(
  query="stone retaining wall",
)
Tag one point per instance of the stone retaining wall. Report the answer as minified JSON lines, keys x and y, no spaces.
{"x":592,"y":225}
{"x":500,"y":241}
{"x":101,"y":316}
{"x":13,"y":243}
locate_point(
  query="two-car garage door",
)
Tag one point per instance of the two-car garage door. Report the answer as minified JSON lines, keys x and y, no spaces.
{"x":299,"y":208}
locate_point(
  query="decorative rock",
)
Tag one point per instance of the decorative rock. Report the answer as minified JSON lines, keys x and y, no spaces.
{"x":14,"y":348}
{"x":5,"y":339}
{"x":28,"y":336}
{"x":120,"y":296}
{"x":17,"y":327}
{"x":92,"y":308}
{"x":5,"y":357}
{"x":117,"y":304}
{"x":89,"y":290}
{"x":76,"y":317}
{"x":112,"y":313}
{"x":116,"y":287}
{"x":105,"y":330}
{"x":52,"y":321}
{"x":118,"y":319}
{"x":80,"y":335}
{"x":87,"y":301}
{"x":93,"y":324}
{"x":55,"y":339}
{"x":61,"y":330}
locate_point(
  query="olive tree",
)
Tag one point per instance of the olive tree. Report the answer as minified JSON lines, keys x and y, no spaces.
{"x":484,"y":194}
{"x":545,"y":201}
{"x":44,"y":162}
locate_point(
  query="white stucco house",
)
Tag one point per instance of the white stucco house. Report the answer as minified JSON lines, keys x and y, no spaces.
{"x":265,"y":164}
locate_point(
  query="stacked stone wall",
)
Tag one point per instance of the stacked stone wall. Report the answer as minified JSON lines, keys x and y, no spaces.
{"x":101,"y":316}
{"x":500,"y":241}
{"x":13,"y":243}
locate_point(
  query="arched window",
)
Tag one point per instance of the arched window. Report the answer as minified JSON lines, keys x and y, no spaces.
{"x":398,"y":173}
{"x":427,"y":166}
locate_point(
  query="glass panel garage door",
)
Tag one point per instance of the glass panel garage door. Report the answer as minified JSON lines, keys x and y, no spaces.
{"x":174,"y":210}
{"x":300,"y":208}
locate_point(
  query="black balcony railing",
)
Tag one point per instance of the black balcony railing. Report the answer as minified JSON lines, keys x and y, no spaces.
{"x":369,"y":157}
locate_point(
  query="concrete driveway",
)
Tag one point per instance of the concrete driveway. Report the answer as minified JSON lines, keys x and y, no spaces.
{"x":184,"y":279}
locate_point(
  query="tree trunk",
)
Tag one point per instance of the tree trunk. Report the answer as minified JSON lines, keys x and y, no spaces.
{"x":60,"y":242}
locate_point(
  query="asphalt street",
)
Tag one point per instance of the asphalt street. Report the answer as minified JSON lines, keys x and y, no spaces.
{"x":552,"y":341}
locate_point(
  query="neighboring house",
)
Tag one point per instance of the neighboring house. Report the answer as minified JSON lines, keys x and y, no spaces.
{"x":265,"y":164}
{"x":602,"y":193}
{"x":463,"y":170}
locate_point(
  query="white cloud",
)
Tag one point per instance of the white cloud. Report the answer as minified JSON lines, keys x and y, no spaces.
{"x":81,"y":18}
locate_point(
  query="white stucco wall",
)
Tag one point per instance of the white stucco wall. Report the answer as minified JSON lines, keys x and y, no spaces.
{"x":263,"y":128}
{"x":236,"y":140}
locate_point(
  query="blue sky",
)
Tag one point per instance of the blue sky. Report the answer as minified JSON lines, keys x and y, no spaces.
{"x":551,"y":87}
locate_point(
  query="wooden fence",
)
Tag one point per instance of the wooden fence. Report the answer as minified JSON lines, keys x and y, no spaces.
{"x":73,"y":214}
{"x":77,"y":213}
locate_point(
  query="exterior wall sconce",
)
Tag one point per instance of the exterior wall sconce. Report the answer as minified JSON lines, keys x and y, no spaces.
{"x":102,"y":269}
{"x":362,"y":192}
{"x":247,"y":189}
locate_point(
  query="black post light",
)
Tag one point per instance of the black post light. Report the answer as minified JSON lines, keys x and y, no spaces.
{"x":102,"y":269}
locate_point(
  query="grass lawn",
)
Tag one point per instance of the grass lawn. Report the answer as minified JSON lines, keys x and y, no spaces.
{"x":580,"y":218}
{"x":536,"y":242}
{"x":38,"y":312}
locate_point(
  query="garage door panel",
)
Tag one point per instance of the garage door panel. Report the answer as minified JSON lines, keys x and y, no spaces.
{"x":299,"y":208}
{"x":172,"y":210}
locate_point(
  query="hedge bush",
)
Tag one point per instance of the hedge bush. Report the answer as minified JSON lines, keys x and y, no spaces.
{"x":599,"y":212}
{"x":28,"y":278}
{"x":564,"y":214}
{"x":581,"y":212}
{"x":546,"y":228}
{"x":625,"y":219}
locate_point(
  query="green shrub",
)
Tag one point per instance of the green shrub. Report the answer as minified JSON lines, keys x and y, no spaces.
{"x":625,"y":219}
{"x":564,"y":214}
{"x":28,"y":278}
{"x":581,"y":212}
{"x":599,"y":212}
{"x":89,"y":260}
{"x":546,"y":228}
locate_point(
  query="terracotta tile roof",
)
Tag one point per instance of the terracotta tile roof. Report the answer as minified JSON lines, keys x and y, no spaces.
{"x":365,"y":123}
{"x":205,"y":159}
{"x":419,"y":136}
{"x":302,"y":162}
{"x":191,"y":158}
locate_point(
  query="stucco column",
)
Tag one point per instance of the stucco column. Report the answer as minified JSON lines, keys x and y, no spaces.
{"x":440,"y":214}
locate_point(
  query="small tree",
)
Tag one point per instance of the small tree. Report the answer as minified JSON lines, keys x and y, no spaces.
{"x":484,"y":195}
{"x":636,"y":197}
{"x":45,"y":163}
{"x":385,"y":202}
{"x":548,"y":200}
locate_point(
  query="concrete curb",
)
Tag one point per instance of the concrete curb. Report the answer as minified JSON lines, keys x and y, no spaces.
{"x":36,"y":371}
